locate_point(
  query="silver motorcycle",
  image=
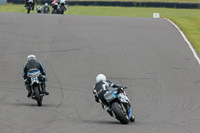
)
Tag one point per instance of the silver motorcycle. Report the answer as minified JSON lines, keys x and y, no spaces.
{"x":119,"y":105}
{"x":36,"y":87}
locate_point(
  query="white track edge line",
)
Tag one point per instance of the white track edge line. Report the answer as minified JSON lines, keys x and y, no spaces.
{"x":186,"y":40}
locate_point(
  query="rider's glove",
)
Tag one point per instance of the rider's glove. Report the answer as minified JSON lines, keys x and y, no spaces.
{"x":124,"y":87}
{"x":120,"y":90}
{"x":44,"y":73}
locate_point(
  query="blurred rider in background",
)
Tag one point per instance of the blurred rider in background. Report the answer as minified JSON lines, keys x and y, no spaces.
{"x":31,"y":66}
{"x":58,"y":1}
{"x":54,"y":1}
{"x":34,"y":1}
{"x":46,"y":8}
{"x":63,"y":1}
{"x":39,"y":9}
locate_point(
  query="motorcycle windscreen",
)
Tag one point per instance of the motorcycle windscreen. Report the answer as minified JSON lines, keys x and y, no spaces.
{"x":33,"y":73}
{"x":109,"y":96}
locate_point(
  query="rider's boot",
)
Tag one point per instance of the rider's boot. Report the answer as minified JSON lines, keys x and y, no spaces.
{"x":43,"y":85}
{"x":29,"y":91}
{"x":105,"y":107}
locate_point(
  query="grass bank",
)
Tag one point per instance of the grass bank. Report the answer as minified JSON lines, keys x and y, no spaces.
{"x":178,"y":1}
{"x":187,"y":19}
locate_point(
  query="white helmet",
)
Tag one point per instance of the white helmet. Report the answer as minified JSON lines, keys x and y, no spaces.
{"x":46,"y":4}
{"x":31,"y":57}
{"x":100,"y":77}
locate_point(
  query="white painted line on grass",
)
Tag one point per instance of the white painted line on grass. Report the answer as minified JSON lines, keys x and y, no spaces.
{"x":186,"y":40}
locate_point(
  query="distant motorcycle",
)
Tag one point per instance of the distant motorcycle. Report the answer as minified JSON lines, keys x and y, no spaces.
{"x":46,"y":9}
{"x":55,"y":9}
{"x":36,"y":87}
{"x":29,"y":6}
{"x":63,"y":7}
{"x":119,"y":105}
{"x":39,"y":9}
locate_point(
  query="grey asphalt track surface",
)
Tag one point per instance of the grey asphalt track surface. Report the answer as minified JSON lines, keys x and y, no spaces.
{"x":147,"y":55}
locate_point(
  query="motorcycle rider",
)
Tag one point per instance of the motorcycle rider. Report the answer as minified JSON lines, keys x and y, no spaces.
{"x":46,"y":8}
{"x":58,"y":1}
{"x":39,"y":9}
{"x":33,"y":65}
{"x":26,"y":4}
{"x":62,"y":1}
{"x":101,"y":87}
{"x":54,"y":1}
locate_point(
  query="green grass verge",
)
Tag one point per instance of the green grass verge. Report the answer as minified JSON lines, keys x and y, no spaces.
{"x":12,"y":8}
{"x":187,"y":19}
{"x":178,"y":1}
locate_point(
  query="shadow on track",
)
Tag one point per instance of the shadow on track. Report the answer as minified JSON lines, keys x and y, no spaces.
{"x":29,"y":104}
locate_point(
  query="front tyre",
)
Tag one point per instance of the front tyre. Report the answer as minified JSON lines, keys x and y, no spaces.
{"x":54,"y":11}
{"x":37,"y":96}
{"x":62,"y":10}
{"x":118,"y":113}
{"x":29,"y":8}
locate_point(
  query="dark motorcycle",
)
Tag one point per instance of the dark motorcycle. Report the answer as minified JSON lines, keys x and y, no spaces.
{"x":119,"y":105}
{"x":62,"y":8}
{"x":55,"y":9}
{"x":36,"y":87}
{"x":46,"y":10}
{"x":29,"y":6}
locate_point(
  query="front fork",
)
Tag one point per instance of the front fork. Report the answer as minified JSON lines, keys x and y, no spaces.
{"x":127,"y":110}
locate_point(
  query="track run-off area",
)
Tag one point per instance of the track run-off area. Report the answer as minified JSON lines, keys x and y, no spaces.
{"x":147,"y":55}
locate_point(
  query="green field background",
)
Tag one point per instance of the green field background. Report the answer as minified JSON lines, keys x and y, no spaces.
{"x":187,"y":19}
{"x":178,"y":1}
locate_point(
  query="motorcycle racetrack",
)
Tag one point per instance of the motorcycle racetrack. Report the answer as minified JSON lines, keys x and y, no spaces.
{"x":147,"y":55}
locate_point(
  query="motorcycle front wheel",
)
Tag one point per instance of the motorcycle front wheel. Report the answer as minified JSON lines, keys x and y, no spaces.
{"x":54,"y":12}
{"x":119,"y":114}
{"x":29,"y":8}
{"x":62,"y":10}
{"x":37,"y":96}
